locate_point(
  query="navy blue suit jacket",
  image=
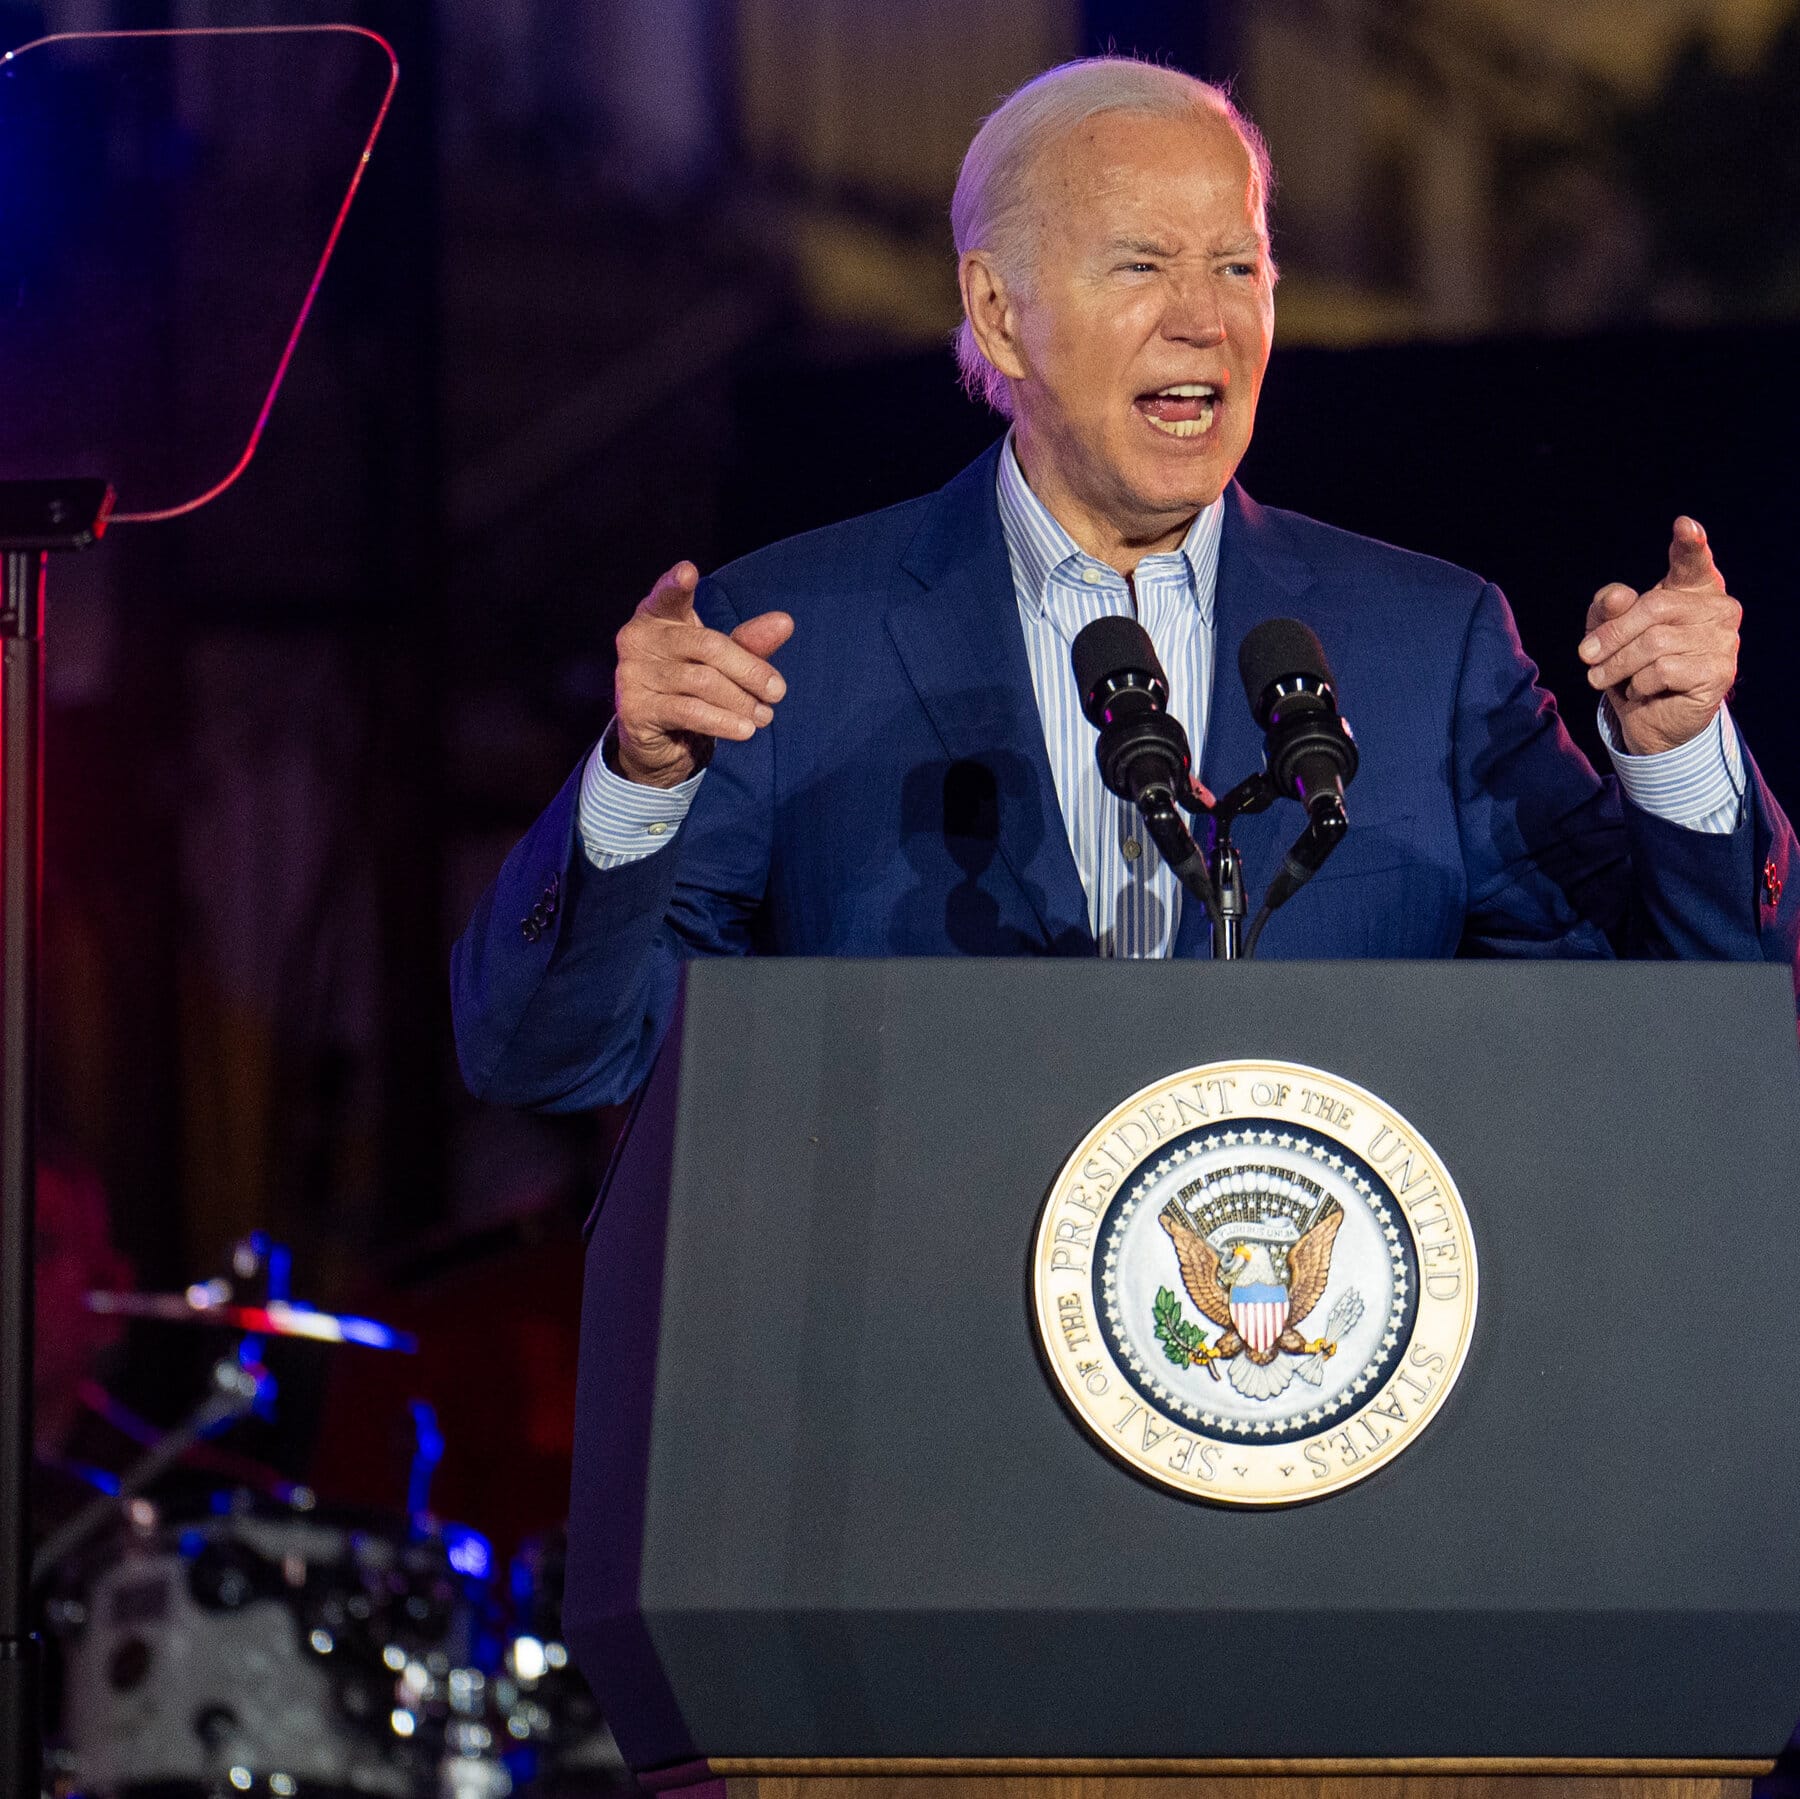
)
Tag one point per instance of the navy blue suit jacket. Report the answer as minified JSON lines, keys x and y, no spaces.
{"x":902,"y":803}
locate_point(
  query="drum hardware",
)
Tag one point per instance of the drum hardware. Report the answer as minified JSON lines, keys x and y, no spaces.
{"x":270,"y":1648}
{"x":261,"y":1650}
{"x":255,"y":1259}
{"x":238,"y":1387}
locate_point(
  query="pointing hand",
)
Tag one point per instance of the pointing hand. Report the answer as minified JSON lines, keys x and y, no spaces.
{"x":1667,"y":657}
{"x":680,"y":686}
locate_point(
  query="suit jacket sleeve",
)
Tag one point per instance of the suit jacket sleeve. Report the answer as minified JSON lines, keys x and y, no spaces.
{"x":571,"y":1015}
{"x":1559,"y":864}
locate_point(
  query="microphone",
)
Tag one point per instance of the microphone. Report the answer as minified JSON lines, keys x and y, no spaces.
{"x":1143,"y":753}
{"x":1310,"y":752}
{"x":1307,"y":746}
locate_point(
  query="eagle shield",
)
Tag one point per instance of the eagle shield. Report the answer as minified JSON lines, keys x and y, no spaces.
{"x":1260,"y":1313}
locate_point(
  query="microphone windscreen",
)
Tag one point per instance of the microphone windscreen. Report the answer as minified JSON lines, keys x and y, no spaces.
{"x":1110,"y":647}
{"x":1275,"y":650}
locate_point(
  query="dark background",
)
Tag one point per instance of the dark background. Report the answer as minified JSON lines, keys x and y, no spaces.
{"x":648,"y":280}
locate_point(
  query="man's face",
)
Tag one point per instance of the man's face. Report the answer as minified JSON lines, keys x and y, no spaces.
{"x":1152,"y":276}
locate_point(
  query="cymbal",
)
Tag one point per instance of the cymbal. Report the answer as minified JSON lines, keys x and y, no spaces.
{"x":201,"y":1304}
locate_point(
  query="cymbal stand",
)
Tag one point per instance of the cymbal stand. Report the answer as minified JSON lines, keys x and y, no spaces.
{"x":237,"y":1388}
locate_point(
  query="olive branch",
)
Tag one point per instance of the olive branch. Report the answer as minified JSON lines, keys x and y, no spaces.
{"x":1183,"y":1343}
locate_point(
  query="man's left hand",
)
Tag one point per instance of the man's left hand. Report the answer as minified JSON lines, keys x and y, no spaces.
{"x":1667,"y":657}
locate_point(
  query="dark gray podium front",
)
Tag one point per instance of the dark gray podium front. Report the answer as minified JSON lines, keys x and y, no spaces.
{"x":827,"y":1504}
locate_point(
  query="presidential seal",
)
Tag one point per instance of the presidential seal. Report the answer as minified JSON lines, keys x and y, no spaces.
{"x":1254,"y":1282}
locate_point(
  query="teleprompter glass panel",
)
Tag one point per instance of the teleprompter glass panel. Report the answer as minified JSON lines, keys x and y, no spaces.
{"x":168,"y":203}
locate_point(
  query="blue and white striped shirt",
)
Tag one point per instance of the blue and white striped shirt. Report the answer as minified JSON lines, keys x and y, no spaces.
{"x":1699,"y":784}
{"x":1134,"y":901}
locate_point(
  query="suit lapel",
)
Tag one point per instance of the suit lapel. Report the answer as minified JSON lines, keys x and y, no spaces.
{"x":1258,"y":580}
{"x":957,"y":630}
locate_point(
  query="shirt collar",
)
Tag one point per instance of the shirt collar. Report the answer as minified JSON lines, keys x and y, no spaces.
{"x":1039,"y":546}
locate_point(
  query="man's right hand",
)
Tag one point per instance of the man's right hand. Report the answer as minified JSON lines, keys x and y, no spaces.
{"x":680,"y":686}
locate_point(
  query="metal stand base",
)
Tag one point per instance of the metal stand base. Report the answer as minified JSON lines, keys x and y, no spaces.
{"x":21,"y":1752}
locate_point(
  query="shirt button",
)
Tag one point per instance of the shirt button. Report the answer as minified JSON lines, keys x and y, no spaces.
{"x":659,"y":829}
{"x":1092,"y":576}
{"x":1133,"y":849}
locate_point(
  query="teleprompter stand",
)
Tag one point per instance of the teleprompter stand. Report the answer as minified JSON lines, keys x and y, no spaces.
{"x":79,"y":117}
{"x":833,"y":1531}
{"x":36,"y":517}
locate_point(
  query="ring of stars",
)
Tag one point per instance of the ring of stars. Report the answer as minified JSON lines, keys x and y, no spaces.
{"x":1152,"y":1380}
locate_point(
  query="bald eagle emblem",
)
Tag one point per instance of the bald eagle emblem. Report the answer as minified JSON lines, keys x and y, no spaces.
{"x":1257,"y":1271}
{"x":1230,"y":1290}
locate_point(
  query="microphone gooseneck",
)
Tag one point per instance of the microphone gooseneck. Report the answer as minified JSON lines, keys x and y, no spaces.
{"x":1308,"y":751}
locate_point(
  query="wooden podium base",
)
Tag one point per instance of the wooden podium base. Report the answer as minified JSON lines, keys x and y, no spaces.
{"x":1448,"y":1779}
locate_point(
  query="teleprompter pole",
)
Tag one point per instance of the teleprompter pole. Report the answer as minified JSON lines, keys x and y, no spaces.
{"x":35,"y":518}
{"x":21,"y":860}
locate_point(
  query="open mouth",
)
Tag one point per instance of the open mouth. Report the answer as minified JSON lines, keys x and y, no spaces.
{"x":1183,"y":410}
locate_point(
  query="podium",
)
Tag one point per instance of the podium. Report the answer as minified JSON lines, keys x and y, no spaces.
{"x":835,"y":1533}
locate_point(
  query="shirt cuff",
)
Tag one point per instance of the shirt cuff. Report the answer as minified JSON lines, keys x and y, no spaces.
{"x":1698,"y":784}
{"x":622,"y":822}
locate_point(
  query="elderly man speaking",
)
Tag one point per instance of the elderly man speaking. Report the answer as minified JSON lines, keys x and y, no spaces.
{"x":916,"y":777}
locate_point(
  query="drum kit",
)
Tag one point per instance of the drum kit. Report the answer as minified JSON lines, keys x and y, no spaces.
{"x":259,"y":1645}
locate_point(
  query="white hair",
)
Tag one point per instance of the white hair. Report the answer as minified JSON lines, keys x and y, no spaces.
{"x":992,"y":207}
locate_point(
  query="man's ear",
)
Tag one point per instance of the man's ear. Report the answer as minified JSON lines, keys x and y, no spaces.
{"x":992,"y":312}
